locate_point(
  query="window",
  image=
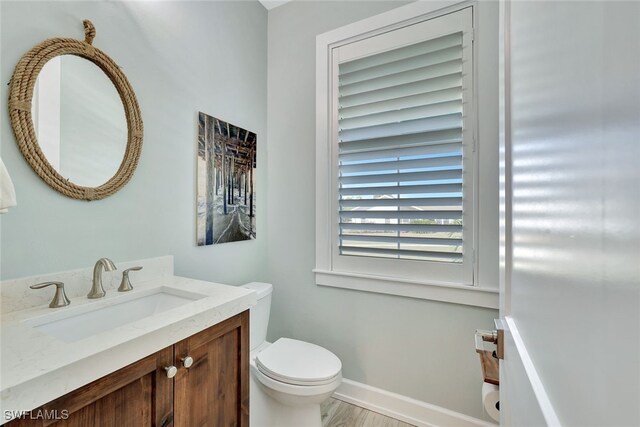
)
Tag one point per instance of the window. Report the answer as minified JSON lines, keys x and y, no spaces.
{"x":396,"y":191}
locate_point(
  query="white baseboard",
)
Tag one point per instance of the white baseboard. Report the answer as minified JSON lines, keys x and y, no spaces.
{"x":403,"y":408}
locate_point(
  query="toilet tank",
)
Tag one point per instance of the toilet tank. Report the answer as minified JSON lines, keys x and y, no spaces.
{"x":260,"y":313}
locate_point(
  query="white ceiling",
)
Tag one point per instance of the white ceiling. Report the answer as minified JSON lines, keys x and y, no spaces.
{"x":270,"y":4}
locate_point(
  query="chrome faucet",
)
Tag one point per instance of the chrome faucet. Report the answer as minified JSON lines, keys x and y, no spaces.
{"x":97,"y":291}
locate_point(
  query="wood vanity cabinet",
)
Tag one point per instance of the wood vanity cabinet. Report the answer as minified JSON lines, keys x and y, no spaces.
{"x":212,"y":392}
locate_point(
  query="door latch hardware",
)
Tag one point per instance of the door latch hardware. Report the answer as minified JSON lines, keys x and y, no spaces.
{"x":495,"y":337}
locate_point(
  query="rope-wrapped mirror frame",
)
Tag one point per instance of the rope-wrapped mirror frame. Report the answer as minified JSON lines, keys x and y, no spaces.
{"x":20,"y":98}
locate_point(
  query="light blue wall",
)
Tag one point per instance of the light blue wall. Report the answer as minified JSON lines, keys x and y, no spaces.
{"x":180,"y":57}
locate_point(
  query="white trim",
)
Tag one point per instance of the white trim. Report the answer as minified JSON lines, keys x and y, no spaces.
{"x":435,"y":291}
{"x":403,"y":408}
{"x":323,"y":152}
{"x":544,"y":402}
{"x":505,"y":187}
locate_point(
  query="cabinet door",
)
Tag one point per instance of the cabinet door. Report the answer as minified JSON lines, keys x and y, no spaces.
{"x":138,"y":395}
{"x":214,"y":391}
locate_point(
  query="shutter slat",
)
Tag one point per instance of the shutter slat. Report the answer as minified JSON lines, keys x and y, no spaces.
{"x":415,"y":240}
{"x":429,"y":85}
{"x":403,"y":189}
{"x":412,"y":63}
{"x":419,"y":228}
{"x":434,"y":201}
{"x":445,"y":256}
{"x":417,"y":100}
{"x":454,"y":159}
{"x":401,"y":150}
{"x":429,"y":124}
{"x":415,"y":214}
{"x":396,"y":142}
{"x":403,"y":115}
{"x":403,"y":177}
{"x":422,"y":48}
{"x":405,"y":77}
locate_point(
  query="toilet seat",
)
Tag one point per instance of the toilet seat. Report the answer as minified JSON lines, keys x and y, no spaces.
{"x":271,"y":385}
{"x":298,"y":363}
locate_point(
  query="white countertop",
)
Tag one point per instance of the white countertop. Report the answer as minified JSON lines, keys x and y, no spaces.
{"x":36,"y":368}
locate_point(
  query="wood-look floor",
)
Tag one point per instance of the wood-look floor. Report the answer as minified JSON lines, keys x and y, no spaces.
{"x":336,"y":413}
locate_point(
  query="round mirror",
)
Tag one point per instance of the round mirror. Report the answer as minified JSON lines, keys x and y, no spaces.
{"x":76,"y":117}
{"x":79,"y":120}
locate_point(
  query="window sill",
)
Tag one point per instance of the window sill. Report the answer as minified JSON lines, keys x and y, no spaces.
{"x":456,"y":294}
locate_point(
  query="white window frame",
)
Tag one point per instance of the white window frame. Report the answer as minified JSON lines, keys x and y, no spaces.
{"x":375,"y":279}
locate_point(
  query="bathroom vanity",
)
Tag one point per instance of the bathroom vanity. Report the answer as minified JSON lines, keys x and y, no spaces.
{"x":172,"y":352}
{"x":160,"y":390}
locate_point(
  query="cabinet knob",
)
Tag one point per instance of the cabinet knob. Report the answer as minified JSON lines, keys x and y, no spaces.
{"x":187,"y":361}
{"x":171,"y":371}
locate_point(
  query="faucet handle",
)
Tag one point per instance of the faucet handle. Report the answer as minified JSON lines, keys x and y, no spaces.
{"x":125,"y":284}
{"x":60,"y":298}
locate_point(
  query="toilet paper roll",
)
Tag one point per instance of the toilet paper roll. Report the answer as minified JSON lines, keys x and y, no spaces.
{"x":491,"y":400}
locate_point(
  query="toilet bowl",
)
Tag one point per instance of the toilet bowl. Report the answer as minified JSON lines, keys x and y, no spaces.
{"x":289,"y":378}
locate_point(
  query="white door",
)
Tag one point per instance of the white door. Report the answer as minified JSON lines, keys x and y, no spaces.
{"x":571,"y":213}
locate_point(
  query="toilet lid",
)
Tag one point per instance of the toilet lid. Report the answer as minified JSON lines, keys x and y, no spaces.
{"x":298,"y":362}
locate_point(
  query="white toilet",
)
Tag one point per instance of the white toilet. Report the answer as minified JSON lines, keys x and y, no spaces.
{"x":289,"y":378}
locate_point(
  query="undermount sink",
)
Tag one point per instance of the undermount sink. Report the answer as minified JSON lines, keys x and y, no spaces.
{"x":73,"y":325}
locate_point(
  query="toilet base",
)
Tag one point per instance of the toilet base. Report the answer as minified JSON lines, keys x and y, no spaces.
{"x":265,"y":411}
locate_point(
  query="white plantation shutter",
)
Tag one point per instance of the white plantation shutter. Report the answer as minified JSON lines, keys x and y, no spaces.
{"x":404,"y":148}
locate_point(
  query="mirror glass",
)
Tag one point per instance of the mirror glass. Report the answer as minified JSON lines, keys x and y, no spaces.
{"x":79,"y":120}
